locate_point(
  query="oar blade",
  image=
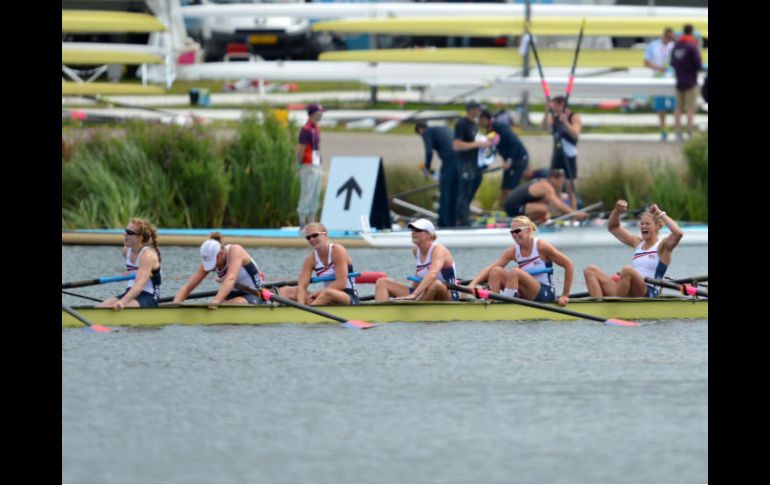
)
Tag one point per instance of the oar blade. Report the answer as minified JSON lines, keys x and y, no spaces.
{"x":620,"y":323}
{"x":358,"y":325}
{"x":98,"y":328}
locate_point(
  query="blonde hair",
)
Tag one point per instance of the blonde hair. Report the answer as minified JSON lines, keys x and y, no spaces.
{"x":657,"y":220}
{"x":526,"y":221}
{"x":313,"y":225}
{"x":148,"y":233}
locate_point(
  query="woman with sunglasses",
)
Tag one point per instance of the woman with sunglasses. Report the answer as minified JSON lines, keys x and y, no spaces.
{"x":652,"y":255}
{"x":233,"y":266}
{"x":531,"y":280}
{"x":435,"y":265}
{"x":142,"y":257}
{"x":326,"y":259}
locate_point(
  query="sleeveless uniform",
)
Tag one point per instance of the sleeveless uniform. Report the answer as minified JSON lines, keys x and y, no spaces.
{"x":520,"y":197}
{"x":564,"y":149}
{"x":446,"y":275}
{"x":151,"y":292}
{"x":647,"y":262}
{"x":532,"y":262}
{"x":322,"y":269}
{"x":247,"y":276}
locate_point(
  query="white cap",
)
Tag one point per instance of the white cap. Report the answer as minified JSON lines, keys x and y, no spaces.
{"x":209,"y":251}
{"x":423,"y":224}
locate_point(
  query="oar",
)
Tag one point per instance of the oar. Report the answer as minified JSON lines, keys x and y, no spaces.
{"x":572,"y":214}
{"x":270,"y":296}
{"x":364,"y":277}
{"x":533,"y":272}
{"x":692,"y":279}
{"x":81,"y":296}
{"x":98,"y":281}
{"x":685,"y":289}
{"x":481,"y":293}
{"x":191,"y":296}
{"x":418,"y":190}
{"x":91,"y":326}
{"x":361,"y":277}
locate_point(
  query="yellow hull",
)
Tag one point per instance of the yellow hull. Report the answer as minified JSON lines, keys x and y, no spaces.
{"x":77,"y":89}
{"x":506,"y":26}
{"x":199,"y":314}
{"x":97,"y":21}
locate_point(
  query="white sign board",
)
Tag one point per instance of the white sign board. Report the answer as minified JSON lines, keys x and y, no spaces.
{"x":349,"y":192}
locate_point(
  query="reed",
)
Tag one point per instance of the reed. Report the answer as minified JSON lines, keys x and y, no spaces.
{"x":182,"y":176}
{"x":400,"y":178}
{"x":261,"y":169}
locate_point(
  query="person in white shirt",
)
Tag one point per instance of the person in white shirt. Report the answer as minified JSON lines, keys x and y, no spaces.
{"x":657,"y":57}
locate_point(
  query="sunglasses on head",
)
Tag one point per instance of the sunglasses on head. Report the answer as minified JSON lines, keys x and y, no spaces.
{"x":518,"y":230}
{"x":314,"y":235}
{"x":129,"y":232}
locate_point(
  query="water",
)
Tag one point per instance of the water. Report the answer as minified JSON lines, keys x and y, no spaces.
{"x":463,"y":402}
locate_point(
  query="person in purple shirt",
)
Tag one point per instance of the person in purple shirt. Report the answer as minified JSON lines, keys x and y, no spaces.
{"x":686,"y":61}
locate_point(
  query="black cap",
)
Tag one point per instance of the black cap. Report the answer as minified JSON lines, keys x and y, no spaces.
{"x":472,"y":105}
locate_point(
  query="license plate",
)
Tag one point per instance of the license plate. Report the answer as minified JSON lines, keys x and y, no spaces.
{"x":263,"y":39}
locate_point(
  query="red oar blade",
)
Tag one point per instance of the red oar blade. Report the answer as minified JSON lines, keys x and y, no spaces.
{"x":99,"y":328}
{"x":620,"y":323}
{"x":370,"y":276}
{"x":358,"y":325}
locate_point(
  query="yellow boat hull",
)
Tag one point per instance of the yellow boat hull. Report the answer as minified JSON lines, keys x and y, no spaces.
{"x":199,"y":314}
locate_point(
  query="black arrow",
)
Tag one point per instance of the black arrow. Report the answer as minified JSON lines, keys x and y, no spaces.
{"x":349,"y":186}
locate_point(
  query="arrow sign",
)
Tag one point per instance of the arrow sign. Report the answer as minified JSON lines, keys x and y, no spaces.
{"x":349,"y":186}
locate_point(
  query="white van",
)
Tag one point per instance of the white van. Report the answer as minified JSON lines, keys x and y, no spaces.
{"x":267,"y":37}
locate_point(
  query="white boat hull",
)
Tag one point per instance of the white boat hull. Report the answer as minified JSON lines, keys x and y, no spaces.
{"x":561,"y":237}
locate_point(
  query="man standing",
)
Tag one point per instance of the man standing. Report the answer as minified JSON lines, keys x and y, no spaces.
{"x":566,"y":129}
{"x":439,"y":138}
{"x":466,"y":146}
{"x":657,"y":57}
{"x":310,"y":171}
{"x":510,"y":148}
{"x":686,"y":61}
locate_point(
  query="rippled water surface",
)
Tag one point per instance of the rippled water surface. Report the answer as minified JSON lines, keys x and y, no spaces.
{"x":468,"y":402}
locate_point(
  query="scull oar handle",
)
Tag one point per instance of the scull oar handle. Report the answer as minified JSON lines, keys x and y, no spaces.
{"x":98,"y":281}
{"x":685,"y":289}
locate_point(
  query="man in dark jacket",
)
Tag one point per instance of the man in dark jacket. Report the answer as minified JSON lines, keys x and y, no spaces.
{"x":439,"y":138}
{"x":510,"y":148}
{"x":466,"y":146}
{"x":686,"y":61}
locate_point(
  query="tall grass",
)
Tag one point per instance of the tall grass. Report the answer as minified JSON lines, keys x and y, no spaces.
{"x":682,"y":193}
{"x":261,"y":168}
{"x":401,"y":178}
{"x":181,"y":177}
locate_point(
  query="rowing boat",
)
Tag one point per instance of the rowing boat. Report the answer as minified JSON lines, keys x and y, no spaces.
{"x":666,"y":307}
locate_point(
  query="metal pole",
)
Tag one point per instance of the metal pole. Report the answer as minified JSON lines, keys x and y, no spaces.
{"x":525,"y":73}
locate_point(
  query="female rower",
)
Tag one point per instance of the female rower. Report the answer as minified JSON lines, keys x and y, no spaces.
{"x":233,"y":266}
{"x":326,"y":259}
{"x":435,"y":265}
{"x":533,"y":255}
{"x":142,"y":257}
{"x":652,"y":256}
